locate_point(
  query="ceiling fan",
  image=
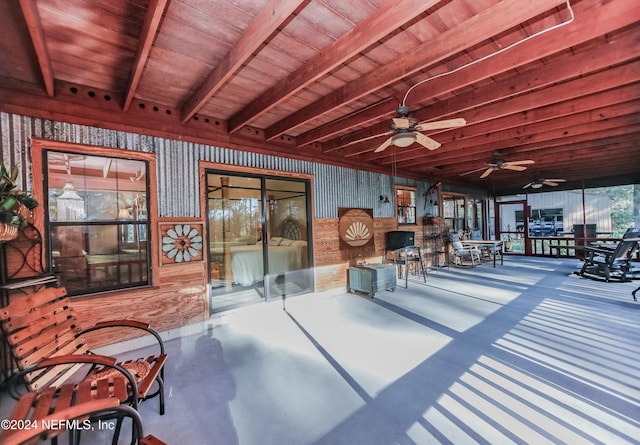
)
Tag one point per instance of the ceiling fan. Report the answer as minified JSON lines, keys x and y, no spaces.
{"x":500,"y":164}
{"x":406,"y":130}
{"x":539,"y":182}
{"x":138,"y":176}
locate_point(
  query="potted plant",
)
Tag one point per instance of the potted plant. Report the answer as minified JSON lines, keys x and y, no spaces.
{"x":508,"y":240}
{"x":15,"y":205}
{"x":508,"y":244}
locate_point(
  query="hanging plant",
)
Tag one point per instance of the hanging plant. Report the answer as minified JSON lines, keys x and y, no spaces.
{"x":15,"y":205}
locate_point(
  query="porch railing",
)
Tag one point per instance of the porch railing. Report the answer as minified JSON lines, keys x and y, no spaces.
{"x":562,"y":247}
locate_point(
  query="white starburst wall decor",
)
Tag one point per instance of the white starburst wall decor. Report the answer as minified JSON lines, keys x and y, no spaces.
{"x":355,"y":226}
{"x":181,"y":242}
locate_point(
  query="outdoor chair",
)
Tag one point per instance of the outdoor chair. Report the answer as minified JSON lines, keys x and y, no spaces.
{"x":52,"y":412}
{"x":606,"y":263}
{"x":461,"y":253}
{"x":486,"y":251}
{"x":49,"y":349}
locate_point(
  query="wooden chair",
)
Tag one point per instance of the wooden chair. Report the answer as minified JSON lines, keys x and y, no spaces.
{"x":460,"y":253}
{"x":610,"y":263}
{"x":47,"y":414}
{"x":49,"y":349}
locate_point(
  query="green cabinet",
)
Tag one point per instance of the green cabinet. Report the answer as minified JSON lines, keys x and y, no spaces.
{"x":371,"y":278}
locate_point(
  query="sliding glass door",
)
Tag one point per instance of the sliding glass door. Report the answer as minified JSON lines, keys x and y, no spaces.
{"x":258,"y":238}
{"x":288,"y":241}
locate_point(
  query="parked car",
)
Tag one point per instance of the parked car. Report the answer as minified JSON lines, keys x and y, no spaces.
{"x":545,"y":228}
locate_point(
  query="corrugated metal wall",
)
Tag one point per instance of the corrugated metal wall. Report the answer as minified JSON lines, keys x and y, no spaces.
{"x":177,"y":165}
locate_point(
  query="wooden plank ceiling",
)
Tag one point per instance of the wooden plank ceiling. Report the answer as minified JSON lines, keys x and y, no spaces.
{"x":549,"y":81}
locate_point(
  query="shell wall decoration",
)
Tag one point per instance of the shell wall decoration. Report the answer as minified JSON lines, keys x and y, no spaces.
{"x":355,"y":227}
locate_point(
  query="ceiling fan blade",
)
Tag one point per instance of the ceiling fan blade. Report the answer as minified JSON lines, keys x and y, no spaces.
{"x":510,"y":166}
{"x":383,"y":146}
{"x":524,"y":162}
{"x":401,"y":122}
{"x":427,"y":142}
{"x":437,"y":125}
{"x":472,"y":171}
{"x":552,"y":182}
{"x":374,"y":136}
{"x":487,"y":172}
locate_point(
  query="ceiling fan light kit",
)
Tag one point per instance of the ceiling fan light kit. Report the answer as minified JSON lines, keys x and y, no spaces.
{"x":403,"y":139}
{"x":499,"y":164}
{"x":539,"y":182}
{"x":405,"y":130}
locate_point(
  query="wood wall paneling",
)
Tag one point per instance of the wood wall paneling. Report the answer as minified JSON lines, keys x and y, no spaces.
{"x":332,"y":264}
{"x":179,"y":299}
{"x":179,"y":295}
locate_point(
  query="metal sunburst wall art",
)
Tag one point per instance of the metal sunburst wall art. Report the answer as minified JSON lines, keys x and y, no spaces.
{"x":181,"y":243}
{"x":355,"y":227}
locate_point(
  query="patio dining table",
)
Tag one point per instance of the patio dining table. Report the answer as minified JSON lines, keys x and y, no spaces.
{"x":494,"y":246}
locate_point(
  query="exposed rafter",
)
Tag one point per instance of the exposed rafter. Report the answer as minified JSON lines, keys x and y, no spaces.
{"x":266,"y":23}
{"x":391,"y":16}
{"x":31,"y":16}
{"x":149,"y":31}
{"x":593,"y":23}
{"x":494,"y":20}
{"x":320,"y":80}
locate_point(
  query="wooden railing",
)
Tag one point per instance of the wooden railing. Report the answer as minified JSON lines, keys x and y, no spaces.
{"x":562,"y":247}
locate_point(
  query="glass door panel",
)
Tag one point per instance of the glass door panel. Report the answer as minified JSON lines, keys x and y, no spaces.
{"x":287,"y":231}
{"x":235,"y":240}
{"x":258,"y":234}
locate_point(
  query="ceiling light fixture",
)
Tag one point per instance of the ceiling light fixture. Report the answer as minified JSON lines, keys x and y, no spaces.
{"x":403,"y":139}
{"x":70,"y":204}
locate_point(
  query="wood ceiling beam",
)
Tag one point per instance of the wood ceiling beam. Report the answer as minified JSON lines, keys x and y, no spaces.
{"x":485,"y":105}
{"x":583,"y":153}
{"x":386,"y":108}
{"x":391,"y":16}
{"x":543,"y":135}
{"x":600,"y":132}
{"x":587,"y":122}
{"x":589,"y":24}
{"x":548,"y":155}
{"x":583,"y":150}
{"x":590,"y":157}
{"x":537,"y":147}
{"x":600,"y":20}
{"x":522,"y":132}
{"x":150,"y":26}
{"x":32,"y":17}
{"x":578,"y":168}
{"x":524,"y":124}
{"x":492,"y":21}
{"x":270,"y":18}
{"x":585,"y":156}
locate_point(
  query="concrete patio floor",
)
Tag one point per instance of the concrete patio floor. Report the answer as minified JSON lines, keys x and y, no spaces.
{"x":520,"y":353}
